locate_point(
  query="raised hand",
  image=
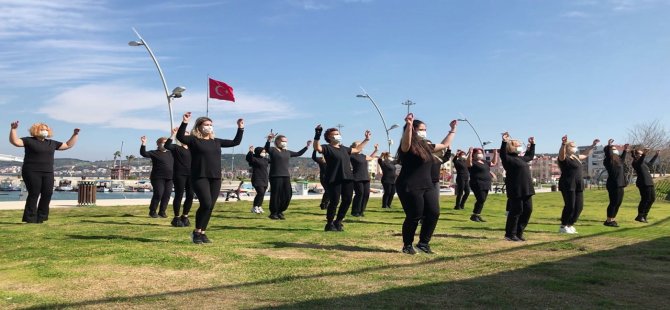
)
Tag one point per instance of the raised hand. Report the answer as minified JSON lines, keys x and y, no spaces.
{"x":143,"y":139}
{"x":453,"y":124}
{"x":564,"y":139}
{"x":368,"y":134}
{"x":240,"y":123}
{"x":470,"y":150}
{"x":318,"y":129}
{"x":610,"y":141}
{"x":186,"y":117}
{"x":376,"y":146}
{"x":309,"y":142}
{"x":75,"y":131}
{"x":505,"y":136}
{"x":409,"y":119}
{"x":251,"y":148}
{"x":625,"y":147}
{"x":271,"y":136}
{"x":595,"y":142}
{"x":14,"y":125}
{"x":531,"y":140}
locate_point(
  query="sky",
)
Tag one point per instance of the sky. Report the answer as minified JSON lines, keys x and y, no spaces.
{"x":585,"y":68}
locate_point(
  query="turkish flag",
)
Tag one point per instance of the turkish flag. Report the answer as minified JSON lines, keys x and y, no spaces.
{"x":220,"y":90}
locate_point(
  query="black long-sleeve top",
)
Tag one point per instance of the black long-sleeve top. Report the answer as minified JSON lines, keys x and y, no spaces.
{"x":206,"y":153}
{"x":39,"y":155}
{"x":571,"y":179}
{"x":415,"y":173}
{"x":279,"y":160}
{"x":359,"y":167}
{"x":437,"y":165}
{"x":338,"y":164}
{"x":461,"y":166}
{"x":616,"y":176}
{"x":259,"y":168}
{"x":388,"y":170}
{"x":182,"y":158}
{"x":518,"y":180}
{"x":642,"y":170}
{"x":161,"y":163}
{"x":480,"y":175}
{"x":322,"y":165}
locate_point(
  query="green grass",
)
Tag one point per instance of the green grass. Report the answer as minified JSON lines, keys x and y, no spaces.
{"x":117,"y":257}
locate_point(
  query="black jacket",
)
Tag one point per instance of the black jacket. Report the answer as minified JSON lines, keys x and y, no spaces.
{"x":517,"y":173}
{"x":642,"y":170}
{"x":259,"y":168}
{"x":616,"y":176}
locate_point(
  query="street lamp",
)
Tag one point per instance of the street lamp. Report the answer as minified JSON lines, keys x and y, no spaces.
{"x":387,"y":129}
{"x":473,"y":129}
{"x":176,"y":93}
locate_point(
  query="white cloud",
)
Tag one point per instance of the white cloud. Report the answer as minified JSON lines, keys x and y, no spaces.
{"x":120,"y":105}
{"x":575,"y":14}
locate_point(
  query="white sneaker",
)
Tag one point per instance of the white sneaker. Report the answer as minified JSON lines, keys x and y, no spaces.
{"x":254,"y":209}
{"x":260,"y":210}
{"x":572,"y":230}
{"x":564,"y":230}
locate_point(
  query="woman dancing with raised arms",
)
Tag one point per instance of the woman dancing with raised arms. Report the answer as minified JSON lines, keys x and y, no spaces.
{"x":480,"y":179}
{"x":415,"y":187}
{"x":280,"y":177}
{"x":387,"y":165}
{"x":162,"y":164}
{"x":338,"y":173}
{"x":258,"y":161}
{"x":571,"y":183}
{"x":205,"y":167}
{"x":181,"y":180}
{"x":519,"y":185}
{"x":616,"y":180}
{"x":644,"y":182}
{"x":359,"y":167}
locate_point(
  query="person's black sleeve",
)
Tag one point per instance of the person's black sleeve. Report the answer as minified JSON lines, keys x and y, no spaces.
{"x":530,"y":153}
{"x":267,"y":147}
{"x":298,"y":153}
{"x":181,"y":134}
{"x":446,"y":156}
{"x":143,"y":151}
{"x":250,"y":157}
{"x":653,"y":160}
{"x":235,"y":142}
{"x":169,"y":145}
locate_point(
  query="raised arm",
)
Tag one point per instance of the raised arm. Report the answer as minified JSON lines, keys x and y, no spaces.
{"x":319,"y":160}
{"x":406,"y":141}
{"x":70,"y":142}
{"x":447,"y":155}
{"x":530,"y":152}
{"x":374,"y":153}
{"x":181,"y":132}
{"x":624,"y":153}
{"x":503,"y":147}
{"x":13,"y":137}
{"x":250,"y":154}
{"x":587,"y":153}
{"x":143,"y":148}
{"x":361,"y":146}
{"x":446,"y":142}
{"x":562,"y":152}
{"x":317,"y":136}
{"x":653,"y":159}
{"x":302,"y":151}
{"x":238,"y":136}
{"x":495,"y":158}
{"x":168,"y":144}
{"x":469,"y":157}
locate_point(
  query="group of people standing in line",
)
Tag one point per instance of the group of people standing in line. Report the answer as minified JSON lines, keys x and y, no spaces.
{"x":191,"y":162}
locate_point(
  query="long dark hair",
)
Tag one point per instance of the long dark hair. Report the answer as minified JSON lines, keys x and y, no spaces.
{"x":418,"y":146}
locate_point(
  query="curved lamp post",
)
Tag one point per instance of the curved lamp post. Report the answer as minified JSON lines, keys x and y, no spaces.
{"x":477,"y":134}
{"x":387,"y":129}
{"x":176,"y":93}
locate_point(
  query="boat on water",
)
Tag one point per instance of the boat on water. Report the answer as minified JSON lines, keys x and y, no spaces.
{"x":117,"y":187}
{"x":64,"y":185}
{"x":7,"y":185}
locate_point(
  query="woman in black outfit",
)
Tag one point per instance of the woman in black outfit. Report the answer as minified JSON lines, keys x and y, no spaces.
{"x":258,"y":161}
{"x":181,"y":177}
{"x":644,"y":183}
{"x":519,"y":185}
{"x":360,"y":169}
{"x":205,"y":167}
{"x":462,"y":179}
{"x":616,"y":180}
{"x":387,"y":166}
{"x":416,"y":190}
{"x":571,"y":183}
{"x":338,"y":173}
{"x":480,"y":179}
{"x":280,"y":178}
{"x":161,"y":175}
{"x":38,"y":167}
{"x":322,"y":179}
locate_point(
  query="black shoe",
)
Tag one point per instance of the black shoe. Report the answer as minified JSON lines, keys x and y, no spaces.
{"x":474,"y":218}
{"x":162,"y":214}
{"x":481,"y":219}
{"x":184,"y":221}
{"x":457,"y":208}
{"x":204,"y":238}
{"x":338,"y":226}
{"x":424,"y":247}
{"x":196,"y":237}
{"x":176,"y":222}
{"x":273,"y":217}
{"x":362,"y":214}
{"x":355,"y":214}
{"x":639,"y":218}
{"x":330,"y":227}
{"x":611,"y":224}
{"x":408,"y":249}
{"x":153,"y":215}
{"x":281,"y":216}
{"x":512,"y":238}
{"x":521,"y":238}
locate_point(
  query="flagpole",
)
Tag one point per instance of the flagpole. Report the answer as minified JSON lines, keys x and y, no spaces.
{"x":207,"y":108}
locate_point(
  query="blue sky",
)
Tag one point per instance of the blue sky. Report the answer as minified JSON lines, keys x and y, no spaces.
{"x":589,"y":68}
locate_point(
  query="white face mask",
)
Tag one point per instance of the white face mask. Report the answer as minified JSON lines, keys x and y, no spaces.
{"x":264,"y":155}
{"x":283,"y":145}
{"x":574,"y":150}
{"x":479,"y":156}
{"x":615,"y":152}
{"x":390,"y":158}
{"x":44,"y":133}
{"x":337,"y":138}
{"x":519,"y":149}
{"x":422,"y":134}
{"x":207,"y":129}
{"x":462,"y":157}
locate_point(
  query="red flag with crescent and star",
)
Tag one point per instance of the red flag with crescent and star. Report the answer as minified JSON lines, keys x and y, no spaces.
{"x":220,"y":90}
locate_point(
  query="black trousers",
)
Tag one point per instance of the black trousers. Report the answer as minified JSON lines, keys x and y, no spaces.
{"x":182,"y":184}
{"x":462,"y":192}
{"x":162,"y":190}
{"x":325,"y":198}
{"x":260,"y":195}
{"x":207,"y":190}
{"x":419,"y":204}
{"x":361,"y":197}
{"x":280,"y":194}
{"x":520,"y":209}
{"x":573,"y":205}
{"x":480,"y":195}
{"x":40,"y":187}
{"x":616,"y":198}
{"x":389,"y":192}
{"x":343,"y":189}
{"x":647,"y":198}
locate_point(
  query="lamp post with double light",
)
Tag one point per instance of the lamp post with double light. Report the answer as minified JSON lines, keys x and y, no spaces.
{"x":477,"y":134}
{"x":176,"y":92}
{"x":387,"y":129}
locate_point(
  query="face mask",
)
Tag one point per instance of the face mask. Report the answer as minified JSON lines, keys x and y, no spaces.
{"x":283,"y":145}
{"x":615,"y":152}
{"x":390,"y":158}
{"x":44,"y":133}
{"x":422,"y":134}
{"x":161,"y":146}
{"x":479,"y":156}
{"x":337,"y":138}
{"x":462,"y":157}
{"x":519,"y":149}
{"x":264,"y":155}
{"x":574,"y":150}
{"x":208,"y":129}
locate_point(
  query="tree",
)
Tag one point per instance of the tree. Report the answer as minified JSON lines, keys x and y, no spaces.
{"x":130,"y":162}
{"x":650,"y":135}
{"x":117,"y":154}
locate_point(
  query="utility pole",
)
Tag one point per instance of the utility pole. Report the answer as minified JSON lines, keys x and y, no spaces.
{"x":408,"y":103}
{"x":339,"y":127}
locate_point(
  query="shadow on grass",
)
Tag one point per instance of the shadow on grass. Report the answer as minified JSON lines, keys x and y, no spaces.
{"x":119,"y":223}
{"x":223,"y":227}
{"x":103,"y":215}
{"x":112,"y":237}
{"x":497,"y":229}
{"x":441,"y":294}
{"x":347,"y":248}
